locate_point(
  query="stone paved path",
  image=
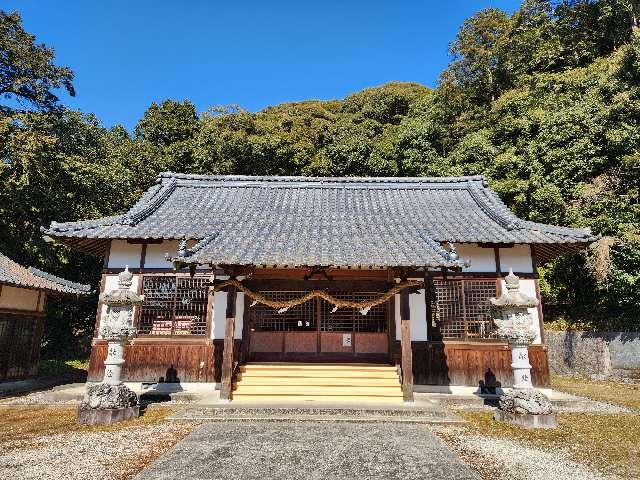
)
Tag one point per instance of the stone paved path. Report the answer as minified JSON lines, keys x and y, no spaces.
{"x":309,"y":450}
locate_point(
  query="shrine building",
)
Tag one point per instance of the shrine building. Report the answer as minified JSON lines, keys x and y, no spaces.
{"x":319,"y":288}
{"x":23,"y":296}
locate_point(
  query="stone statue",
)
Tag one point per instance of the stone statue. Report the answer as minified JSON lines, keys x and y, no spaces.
{"x":111,"y":400}
{"x":523,"y":405}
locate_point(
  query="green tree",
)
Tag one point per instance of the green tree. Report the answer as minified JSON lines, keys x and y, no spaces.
{"x":28,"y":75}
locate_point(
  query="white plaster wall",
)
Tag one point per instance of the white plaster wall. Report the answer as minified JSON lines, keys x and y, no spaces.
{"x":528,"y":287}
{"x":156,"y":251}
{"x":123,"y":254}
{"x":111,"y":283}
{"x":517,"y":257}
{"x":15,"y":298}
{"x":220,"y":312}
{"x":418,"y":312}
{"x":239,"y":315}
{"x":417,"y":315}
{"x":481,"y":259}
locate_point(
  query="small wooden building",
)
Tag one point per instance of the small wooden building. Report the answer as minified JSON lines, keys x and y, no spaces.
{"x":354,"y":239}
{"x":23,"y":295}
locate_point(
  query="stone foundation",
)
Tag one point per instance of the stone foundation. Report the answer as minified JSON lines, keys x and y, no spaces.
{"x":105,"y":416}
{"x":527,"y":420}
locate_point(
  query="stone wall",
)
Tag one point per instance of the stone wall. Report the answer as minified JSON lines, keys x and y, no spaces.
{"x":603,"y":354}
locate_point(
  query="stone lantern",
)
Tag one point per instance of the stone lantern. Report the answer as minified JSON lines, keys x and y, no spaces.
{"x":522,"y":405}
{"x":111,"y":401}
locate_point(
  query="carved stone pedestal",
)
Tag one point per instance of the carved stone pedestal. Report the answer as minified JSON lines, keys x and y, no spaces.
{"x":527,"y":420}
{"x":105,"y":416}
{"x":529,"y":408}
{"x":105,"y":403}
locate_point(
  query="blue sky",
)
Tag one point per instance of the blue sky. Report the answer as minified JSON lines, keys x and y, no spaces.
{"x":252,"y":53}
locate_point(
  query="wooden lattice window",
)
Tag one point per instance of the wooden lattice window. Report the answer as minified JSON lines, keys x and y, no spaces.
{"x":462,"y":308}
{"x":350,"y":319}
{"x":298,"y":317}
{"x":17,"y":335}
{"x":305,"y":316}
{"x":173,"y":305}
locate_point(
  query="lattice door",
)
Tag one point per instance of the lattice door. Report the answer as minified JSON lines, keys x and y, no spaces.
{"x":17,"y":334}
{"x":462,"y":308}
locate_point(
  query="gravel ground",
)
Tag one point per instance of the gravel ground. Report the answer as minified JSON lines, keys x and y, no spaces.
{"x":584,"y":405}
{"x":102,"y":455}
{"x":47,"y":397}
{"x":37,"y":398}
{"x":499,"y":458}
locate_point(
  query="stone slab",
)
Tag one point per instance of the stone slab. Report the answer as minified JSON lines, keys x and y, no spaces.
{"x":432,"y":415}
{"x":105,"y":416}
{"x":527,"y":420}
{"x":294,"y":450}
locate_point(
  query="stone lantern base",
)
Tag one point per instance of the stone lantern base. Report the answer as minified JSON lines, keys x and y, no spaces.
{"x":527,"y":408}
{"x":104,"y":404}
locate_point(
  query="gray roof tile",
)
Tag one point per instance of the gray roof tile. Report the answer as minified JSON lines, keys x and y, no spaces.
{"x":12,"y":273}
{"x":321,"y":221}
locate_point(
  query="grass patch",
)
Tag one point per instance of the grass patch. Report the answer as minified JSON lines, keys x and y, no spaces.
{"x":625,"y":394}
{"x":54,"y":366}
{"x":609,"y":443}
{"x":25,"y":424}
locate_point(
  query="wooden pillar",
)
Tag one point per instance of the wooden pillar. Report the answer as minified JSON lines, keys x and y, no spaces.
{"x":227,"y":353}
{"x":405,"y":342}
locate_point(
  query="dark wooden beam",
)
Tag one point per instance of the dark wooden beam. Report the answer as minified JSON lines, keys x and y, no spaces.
{"x":433,"y":332}
{"x":138,"y":241}
{"x":107,"y":253}
{"x":543,"y":336}
{"x":405,"y":343}
{"x":495,"y":245}
{"x":227,"y":354}
{"x":335,"y":285}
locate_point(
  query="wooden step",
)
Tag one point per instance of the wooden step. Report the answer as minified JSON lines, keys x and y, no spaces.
{"x":296,"y":382}
{"x":319,"y":366}
{"x":316,"y":374}
{"x":317,"y":398}
{"x":325,"y":390}
{"x":304,"y":380}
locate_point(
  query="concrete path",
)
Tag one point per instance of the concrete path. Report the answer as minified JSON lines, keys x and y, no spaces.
{"x":309,"y":450}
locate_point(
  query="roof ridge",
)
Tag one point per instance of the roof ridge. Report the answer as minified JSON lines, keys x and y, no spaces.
{"x":148,"y":206}
{"x":507,"y":221}
{"x":286,"y":178}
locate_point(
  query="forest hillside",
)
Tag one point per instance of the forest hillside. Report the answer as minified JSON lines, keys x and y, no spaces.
{"x":544,"y":102}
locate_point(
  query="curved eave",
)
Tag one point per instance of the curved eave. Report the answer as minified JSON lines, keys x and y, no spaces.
{"x":96,"y":247}
{"x":546,"y":252}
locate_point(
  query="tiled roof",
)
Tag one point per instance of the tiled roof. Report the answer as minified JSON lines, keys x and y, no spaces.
{"x":12,"y":273}
{"x":320,"y":221}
